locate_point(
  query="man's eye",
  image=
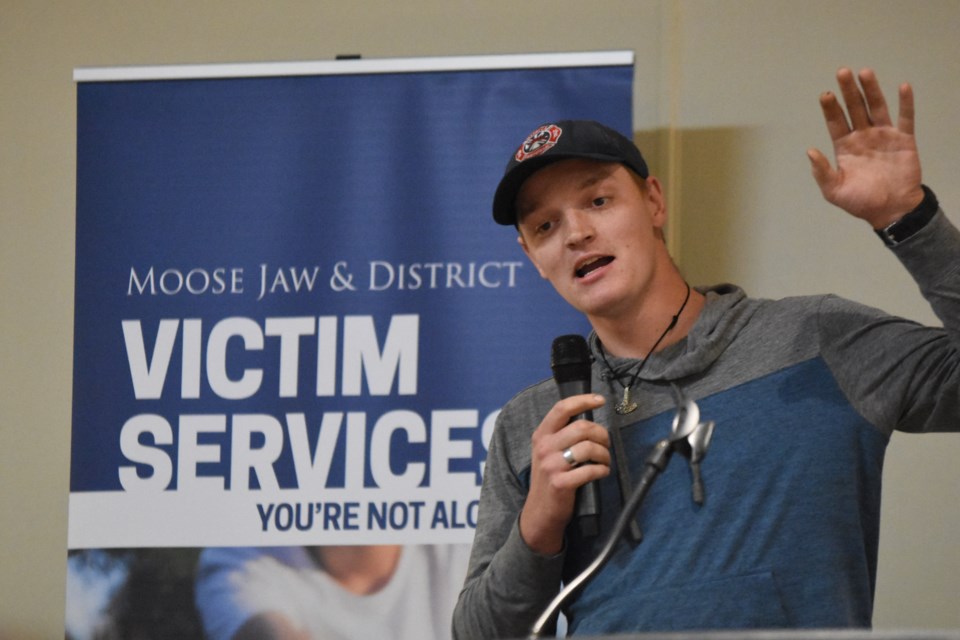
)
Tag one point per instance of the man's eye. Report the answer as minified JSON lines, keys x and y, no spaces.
{"x":599,"y":202}
{"x":545,"y":226}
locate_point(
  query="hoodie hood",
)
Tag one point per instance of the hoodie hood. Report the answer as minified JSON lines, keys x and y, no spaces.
{"x":726,"y":312}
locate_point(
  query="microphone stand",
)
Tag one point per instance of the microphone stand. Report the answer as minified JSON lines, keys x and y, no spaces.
{"x":655,"y":463}
{"x":686,"y":424}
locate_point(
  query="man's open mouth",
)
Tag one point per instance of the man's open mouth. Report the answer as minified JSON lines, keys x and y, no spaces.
{"x":594,"y":264}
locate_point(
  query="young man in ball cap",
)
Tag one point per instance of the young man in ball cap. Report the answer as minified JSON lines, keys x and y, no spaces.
{"x":804,"y":393}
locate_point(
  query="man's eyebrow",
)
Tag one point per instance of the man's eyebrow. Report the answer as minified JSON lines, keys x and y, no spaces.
{"x":593,"y":179}
{"x":522,"y":208}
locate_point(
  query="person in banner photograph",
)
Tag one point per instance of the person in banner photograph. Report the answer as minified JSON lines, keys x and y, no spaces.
{"x":128,"y":594}
{"x":219,"y":593}
{"x":330,"y":592}
{"x":773,"y":520}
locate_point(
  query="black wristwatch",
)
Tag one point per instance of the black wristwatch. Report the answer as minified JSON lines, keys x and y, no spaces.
{"x":908,"y":225}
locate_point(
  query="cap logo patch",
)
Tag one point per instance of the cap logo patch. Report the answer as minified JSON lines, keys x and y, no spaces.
{"x":538,"y":142}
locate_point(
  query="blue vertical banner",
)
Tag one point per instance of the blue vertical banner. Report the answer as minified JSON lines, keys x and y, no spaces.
{"x":295,"y":318}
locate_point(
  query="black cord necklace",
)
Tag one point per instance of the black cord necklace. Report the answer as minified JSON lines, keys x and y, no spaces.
{"x":626,"y":405}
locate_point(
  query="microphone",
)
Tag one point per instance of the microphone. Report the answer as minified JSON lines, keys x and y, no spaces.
{"x":570,"y":361}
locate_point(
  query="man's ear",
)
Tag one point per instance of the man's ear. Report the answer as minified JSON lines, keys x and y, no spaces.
{"x":526,"y":250}
{"x":658,"y":204}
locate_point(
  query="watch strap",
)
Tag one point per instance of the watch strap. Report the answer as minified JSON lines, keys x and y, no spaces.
{"x":895,"y":233}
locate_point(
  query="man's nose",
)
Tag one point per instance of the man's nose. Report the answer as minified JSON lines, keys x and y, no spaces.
{"x":579,"y":227}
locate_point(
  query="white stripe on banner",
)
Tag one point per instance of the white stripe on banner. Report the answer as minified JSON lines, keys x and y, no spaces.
{"x":111,"y":519}
{"x":355,"y":66}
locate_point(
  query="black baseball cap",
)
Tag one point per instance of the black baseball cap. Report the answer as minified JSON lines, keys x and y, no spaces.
{"x":561,"y":140}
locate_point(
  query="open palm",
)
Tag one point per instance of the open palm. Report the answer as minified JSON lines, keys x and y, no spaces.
{"x":877,"y":175}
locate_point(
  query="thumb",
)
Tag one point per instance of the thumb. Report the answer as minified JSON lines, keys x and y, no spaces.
{"x":822,"y":172}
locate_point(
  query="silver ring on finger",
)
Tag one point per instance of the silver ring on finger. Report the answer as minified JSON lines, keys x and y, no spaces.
{"x":568,"y":456}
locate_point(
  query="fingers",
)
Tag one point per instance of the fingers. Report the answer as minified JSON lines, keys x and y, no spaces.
{"x":567,"y":451}
{"x":876,"y":104}
{"x":906,"y":118}
{"x":580,"y":453}
{"x":865,"y":104}
{"x":856,"y":106}
{"x":837,"y":125}
{"x":561,"y":450}
{"x":560,"y":414}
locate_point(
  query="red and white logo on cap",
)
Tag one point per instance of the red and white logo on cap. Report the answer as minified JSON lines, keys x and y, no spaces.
{"x":538,"y":142}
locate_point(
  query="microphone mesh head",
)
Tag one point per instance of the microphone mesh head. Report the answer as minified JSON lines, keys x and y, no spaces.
{"x":570,"y":358}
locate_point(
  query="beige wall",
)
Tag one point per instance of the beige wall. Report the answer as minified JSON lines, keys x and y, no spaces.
{"x":726,"y":103}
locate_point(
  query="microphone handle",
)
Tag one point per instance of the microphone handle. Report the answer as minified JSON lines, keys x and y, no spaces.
{"x":587,"y":510}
